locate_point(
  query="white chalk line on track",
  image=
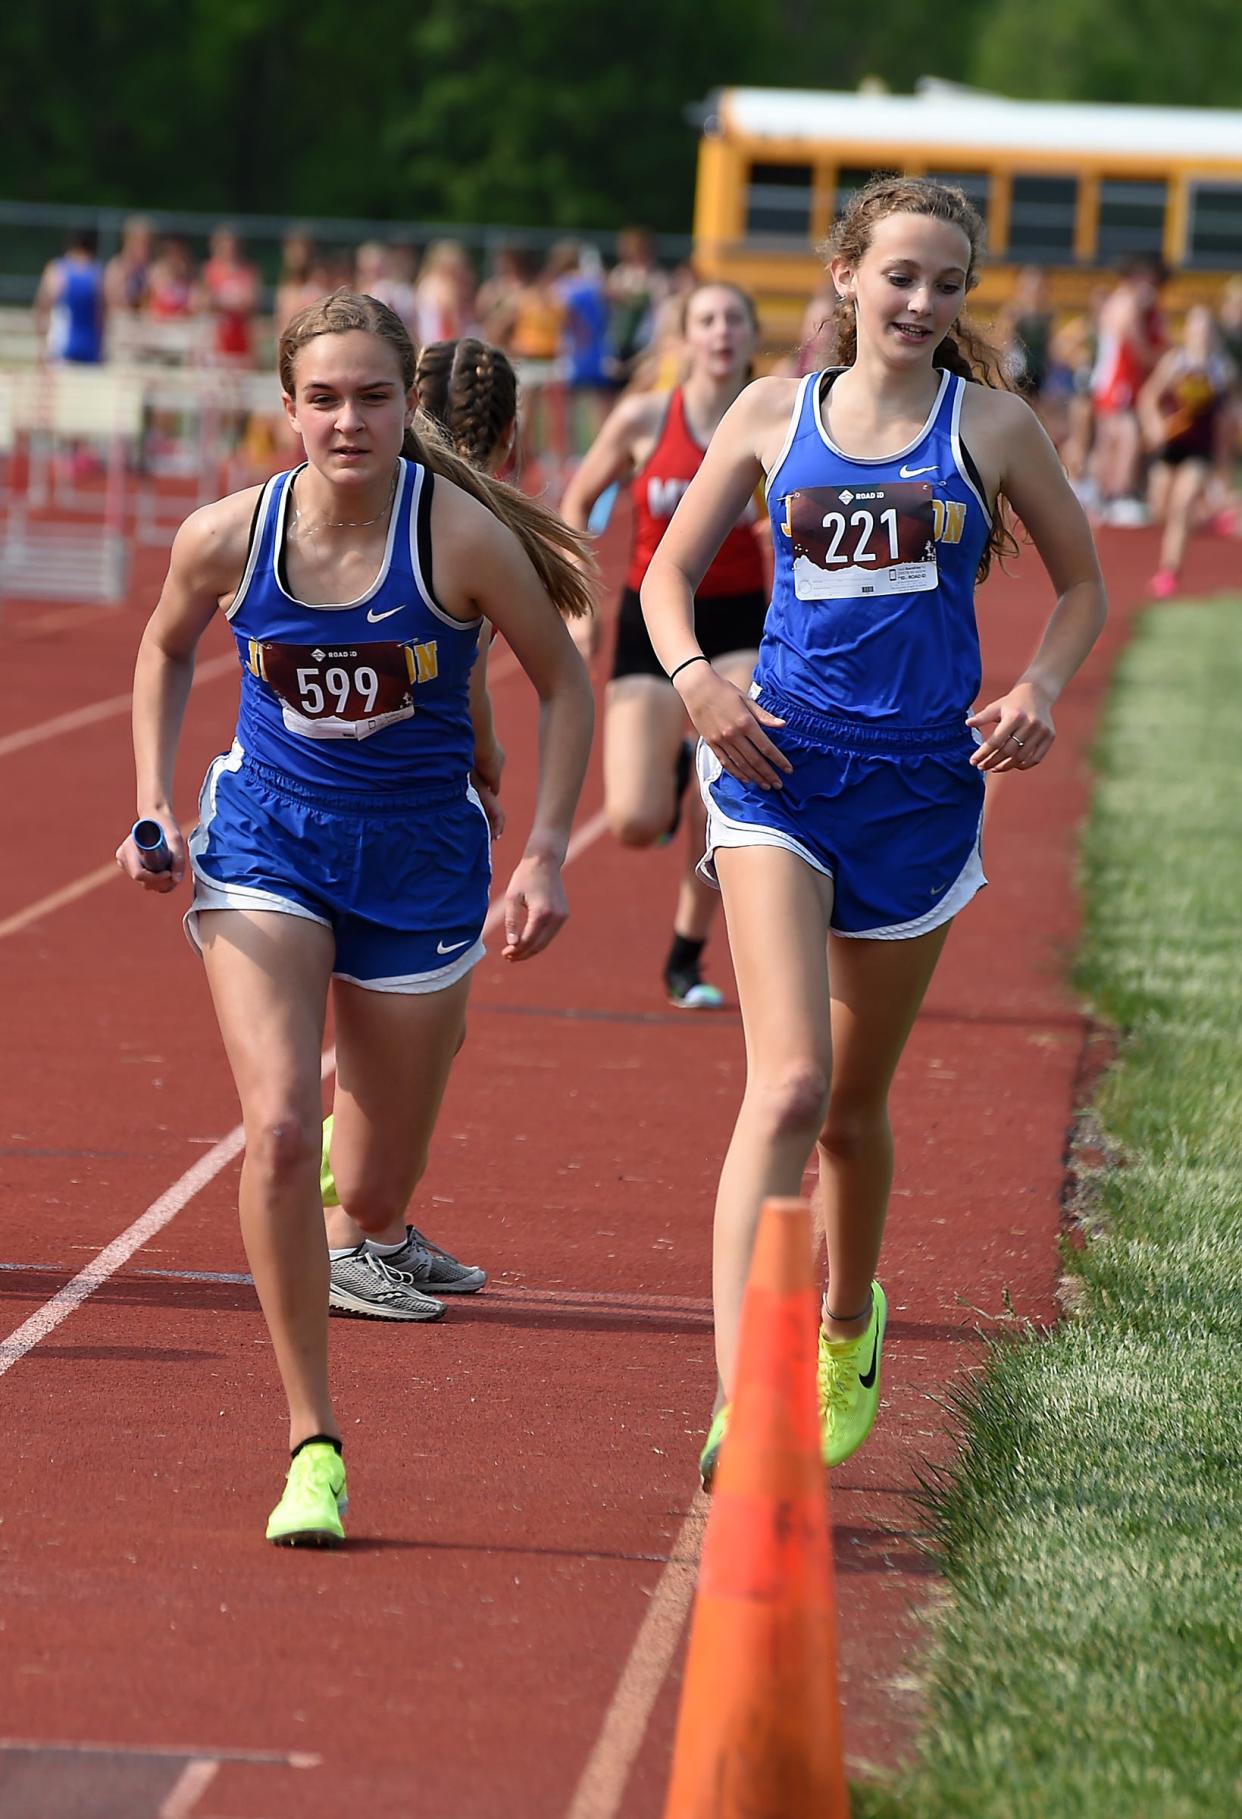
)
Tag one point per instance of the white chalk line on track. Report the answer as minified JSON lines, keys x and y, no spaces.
{"x":198,"y":1752}
{"x":163,"y":1211}
{"x":190,"y":1786}
{"x":101,"y":710}
{"x":68,"y":893}
{"x":603,"y":1783}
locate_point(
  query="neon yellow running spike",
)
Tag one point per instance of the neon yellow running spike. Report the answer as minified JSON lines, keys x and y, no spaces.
{"x":327,"y":1180}
{"x":710,"y":1455}
{"x":309,"y":1514}
{"x":849,"y":1383}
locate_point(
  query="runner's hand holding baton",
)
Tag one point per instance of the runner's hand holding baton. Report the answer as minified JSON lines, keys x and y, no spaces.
{"x":148,"y":857}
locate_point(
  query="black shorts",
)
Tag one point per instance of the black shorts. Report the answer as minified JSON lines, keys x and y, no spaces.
{"x":1173,"y":454}
{"x":722,"y":624}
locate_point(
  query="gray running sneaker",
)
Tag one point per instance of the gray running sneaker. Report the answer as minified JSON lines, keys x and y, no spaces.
{"x":433,"y":1268}
{"x":363,"y":1284}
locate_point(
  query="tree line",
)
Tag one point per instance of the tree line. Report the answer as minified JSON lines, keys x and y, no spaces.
{"x":548,"y":113}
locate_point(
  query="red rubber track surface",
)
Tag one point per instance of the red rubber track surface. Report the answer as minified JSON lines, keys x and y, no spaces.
{"x":521,"y":1470}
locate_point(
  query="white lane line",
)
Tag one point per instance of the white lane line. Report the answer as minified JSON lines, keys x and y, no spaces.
{"x":163,"y":1211}
{"x":101,"y":710}
{"x":602,"y":1788}
{"x":115,"y":1255}
{"x":188,"y":1789}
{"x":199,"y":1752}
{"x":68,"y":893}
{"x":41,"y":625}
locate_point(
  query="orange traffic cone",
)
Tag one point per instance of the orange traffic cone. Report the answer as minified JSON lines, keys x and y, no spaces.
{"x":759,"y":1731}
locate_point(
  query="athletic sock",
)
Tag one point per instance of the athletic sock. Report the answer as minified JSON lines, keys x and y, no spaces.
{"x":350,"y":1250}
{"x":318,"y":1440}
{"x":685,"y":954}
{"x":384,"y":1250}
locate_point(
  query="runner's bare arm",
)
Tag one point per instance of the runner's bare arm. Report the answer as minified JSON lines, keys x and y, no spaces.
{"x":744,"y":447}
{"x":611,"y":456}
{"x":1014,"y":447}
{"x":482,"y":568}
{"x":205,"y":567}
{"x":489,"y":756}
{"x":1147,"y":404}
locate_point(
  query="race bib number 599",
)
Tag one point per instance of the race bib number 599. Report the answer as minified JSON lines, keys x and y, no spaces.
{"x":855,"y":540}
{"x":342,"y":692}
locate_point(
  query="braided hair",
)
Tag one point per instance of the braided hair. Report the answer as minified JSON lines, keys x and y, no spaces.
{"x":470,"y":389}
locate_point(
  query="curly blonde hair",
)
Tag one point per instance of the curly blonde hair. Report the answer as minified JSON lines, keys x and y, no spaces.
{"x":965,"y":350}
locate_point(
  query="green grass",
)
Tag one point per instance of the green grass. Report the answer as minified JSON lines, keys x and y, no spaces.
{"x":1089,"y":1660}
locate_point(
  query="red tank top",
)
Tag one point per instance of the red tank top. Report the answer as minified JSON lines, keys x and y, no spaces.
{"x":656,"y":489}
{"x":1119,"y":372}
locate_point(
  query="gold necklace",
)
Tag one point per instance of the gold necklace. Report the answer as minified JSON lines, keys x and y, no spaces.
{"x":346,"y":524}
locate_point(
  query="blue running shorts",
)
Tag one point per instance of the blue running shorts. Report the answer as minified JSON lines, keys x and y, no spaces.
{"x":401,"y":880}
{"x":893,"y":816}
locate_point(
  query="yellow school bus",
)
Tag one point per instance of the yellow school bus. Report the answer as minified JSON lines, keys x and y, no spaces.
{"x":1068,"y":186}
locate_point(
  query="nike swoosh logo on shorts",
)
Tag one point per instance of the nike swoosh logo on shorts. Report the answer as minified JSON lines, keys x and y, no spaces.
{"x":908,"y":473}
{"x":869,"y":1378}
{"x":373,"y":618}
{"x":452,"y":946}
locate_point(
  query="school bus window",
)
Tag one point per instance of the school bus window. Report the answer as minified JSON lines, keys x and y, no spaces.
{"x":778,"y":202}
{"x":975,"y":184}
{"x":1131,"y":218}
{"x":1041,"y":219}
{"x":1215,"y":237}
{"x":849,"y":181}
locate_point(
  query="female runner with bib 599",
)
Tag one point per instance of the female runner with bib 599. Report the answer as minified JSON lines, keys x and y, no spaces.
{"x":845,"y":791}
{"x":339,"y":841}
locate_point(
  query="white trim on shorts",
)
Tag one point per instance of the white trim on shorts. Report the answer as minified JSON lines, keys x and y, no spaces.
{"x":723,"y":831}
{"x":415,"y":983}
{"x":210,"y":894}
{"x":969,"y":880}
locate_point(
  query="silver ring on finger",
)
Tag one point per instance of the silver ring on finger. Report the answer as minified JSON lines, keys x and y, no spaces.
{"x":1018,"y":742}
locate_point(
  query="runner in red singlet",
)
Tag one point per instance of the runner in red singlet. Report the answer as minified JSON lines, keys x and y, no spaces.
{"x":657,"y":440}
{"x":1132,"y":339}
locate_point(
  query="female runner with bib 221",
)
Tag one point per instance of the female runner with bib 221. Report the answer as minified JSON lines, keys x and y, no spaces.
{"x":658,"y":439}
{"x":339,"y":842}
{"x":844,"y":791}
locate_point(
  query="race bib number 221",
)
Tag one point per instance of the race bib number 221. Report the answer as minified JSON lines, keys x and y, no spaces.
{"x":861,"y":540}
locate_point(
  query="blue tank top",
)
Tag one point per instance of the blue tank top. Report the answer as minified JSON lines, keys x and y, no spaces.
{"x":873,"y":610}
{"x":371,"y":695}
{"x":77,"y":315}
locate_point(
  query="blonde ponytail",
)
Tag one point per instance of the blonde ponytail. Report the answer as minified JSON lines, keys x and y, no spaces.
{"x":560,"y":557}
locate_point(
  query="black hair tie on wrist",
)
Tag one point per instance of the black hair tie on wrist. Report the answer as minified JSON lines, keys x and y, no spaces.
{"x":699,"y":658}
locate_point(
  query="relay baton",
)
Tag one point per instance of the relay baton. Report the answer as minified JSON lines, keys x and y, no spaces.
{"x":148,"y":837}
